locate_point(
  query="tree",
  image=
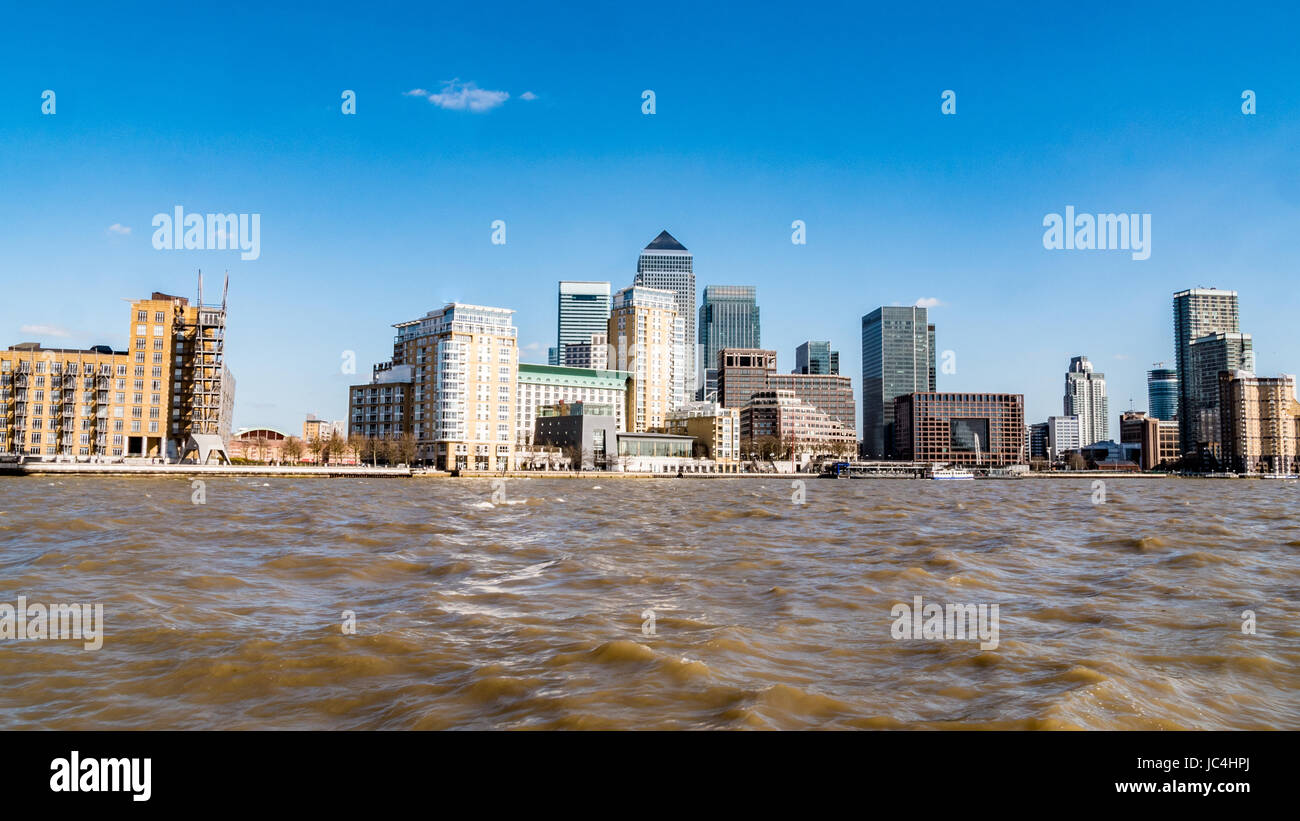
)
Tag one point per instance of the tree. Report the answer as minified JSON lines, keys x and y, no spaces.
{"x":1077,"y":462}
{"x":335,"y":445}
{"x":292,"y":449}
{"x":315,"y":447}
{"x":574,"y":454}
{"x":406,"y":448}
{"x":357,"y":444}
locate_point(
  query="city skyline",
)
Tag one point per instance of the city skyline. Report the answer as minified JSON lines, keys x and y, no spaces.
{"x":390,"y":208}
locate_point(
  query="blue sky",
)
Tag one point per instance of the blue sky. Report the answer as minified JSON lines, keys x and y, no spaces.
{"x":826,"y":113}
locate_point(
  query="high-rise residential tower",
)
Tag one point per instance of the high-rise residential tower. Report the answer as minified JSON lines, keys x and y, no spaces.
{"x":464,"y":365}
{"x":583,"y":311}
{"x":1198,"y":312}
{"x":728,"y":319}
{"x":1085,"y":397}
{"x":816,"y":357}
{"x":897,"y":359}
{"x":646,"y":337}
{"x":665,"y":264}
{"x":1210,"y":355}
{"x":1162,"y":393}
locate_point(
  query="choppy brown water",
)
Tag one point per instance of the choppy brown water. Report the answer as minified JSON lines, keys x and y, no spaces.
{"x":767,"y":614}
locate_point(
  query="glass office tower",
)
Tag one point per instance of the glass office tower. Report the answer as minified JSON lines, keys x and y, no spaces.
{"x":728,"y":319}
{"x":897,"y":359}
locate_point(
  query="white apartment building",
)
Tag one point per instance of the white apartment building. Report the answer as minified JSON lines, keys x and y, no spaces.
{"x":1085,"y":397}
{"x":1063,"y":433}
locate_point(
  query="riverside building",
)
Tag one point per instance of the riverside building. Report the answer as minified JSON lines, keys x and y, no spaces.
{"x":463,"y":362}
{"x":897,"y":359}
{"x":552,"y":385}
{"x":1260,"y":423}
{"x":797,"y":427}
{"x":1063,"y":437}
{"x":1211,"y":355}
{"x":383,"y":407}
{"x":975,"y":429}
{"x":742,"y":372}
{"x":169,"y":396}
{"x":646,"y":339}
{"x":716,"y":431}
{"x":1198,"y":312}
{"x":728,"y":319}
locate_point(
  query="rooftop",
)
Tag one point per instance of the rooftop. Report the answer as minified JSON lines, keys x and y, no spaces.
{"x":665,"y":242}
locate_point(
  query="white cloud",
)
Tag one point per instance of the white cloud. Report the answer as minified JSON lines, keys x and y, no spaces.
{"x":528,"y":95}
{"x":928,"y":302}
{"x":43,"y":330}
{"x":533,"y":346}
{"x":1121,"y":356}
{"x":458,"y":96}
{"x":119,"y":229}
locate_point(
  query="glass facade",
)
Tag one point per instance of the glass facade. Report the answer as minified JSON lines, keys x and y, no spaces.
{"x":1197,"y":313}
{"x":728,"y":319}
{"x":897,"y":359}
{"x":1162,"y":393}
{"x":816,"y":358}
{"x":583,"y":311}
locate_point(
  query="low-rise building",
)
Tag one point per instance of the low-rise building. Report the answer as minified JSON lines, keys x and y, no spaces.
{"x":583,"y":432}
{"x":798,"y":430}
{"x":716,"y":431}
{"x":640,"y":452}
{"x":542,"y":385}
{"x":977,"y":429}
{"x":167,"y":397}
{"x":381,"y":408}
{"x":1064,"y":435}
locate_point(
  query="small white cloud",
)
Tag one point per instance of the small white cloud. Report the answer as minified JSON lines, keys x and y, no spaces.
{"x":1121,"y":356}
{"x":928,"y":302}
{"x":458,"y":96}
{"x":528,"y":95}
{"x":533,"y":346}
{"x":119,"y":229}
{"x":43,"y":330}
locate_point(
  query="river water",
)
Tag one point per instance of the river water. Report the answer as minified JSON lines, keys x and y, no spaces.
{"x":524,"y":604}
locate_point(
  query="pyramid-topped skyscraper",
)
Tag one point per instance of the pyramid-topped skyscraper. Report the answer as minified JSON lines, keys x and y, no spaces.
{"x":666,"y":264}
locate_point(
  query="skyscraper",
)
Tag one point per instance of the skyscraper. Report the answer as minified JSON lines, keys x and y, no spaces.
{"x":667,"y":265}
{"x":816,"y":357}
{"x":1197,"y":312}
{"x":583,"y":311}
{"x":728,"y":319}
{"x":897,"y":359}
{"x":1162,"y":393}
{"x":1209,"y":355}
{"x":1085,"y":397}
{"x":646,"y":337}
